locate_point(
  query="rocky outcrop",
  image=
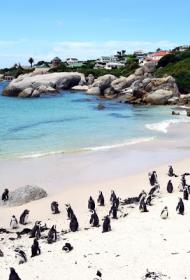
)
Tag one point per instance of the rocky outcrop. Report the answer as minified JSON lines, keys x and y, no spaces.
{"x":24,"y":195}
{"x":140,"y":87}
{"x":150,"y":90}
{"x":33,"y":85}
{"x":101,"y":84}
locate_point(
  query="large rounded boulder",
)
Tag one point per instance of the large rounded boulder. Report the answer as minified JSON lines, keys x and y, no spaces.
{"x":24,"y":195}
{"x":159,"y":97}
{"x":24,"y":85}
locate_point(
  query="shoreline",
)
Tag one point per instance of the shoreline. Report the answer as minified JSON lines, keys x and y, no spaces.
{"x":59,"y":172}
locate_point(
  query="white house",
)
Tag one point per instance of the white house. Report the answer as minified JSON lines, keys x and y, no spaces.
{"x":71,"y":60}
{"x":114,"y":65}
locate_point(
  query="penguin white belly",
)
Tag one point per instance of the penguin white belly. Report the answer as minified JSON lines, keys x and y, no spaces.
{"x":164,"y":215}
{"x":26,"y":218}
{"x":19,"y":258}
{"x":14,"y":224}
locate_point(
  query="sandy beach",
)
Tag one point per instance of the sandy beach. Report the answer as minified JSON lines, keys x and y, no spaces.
{"x":137,"y":242}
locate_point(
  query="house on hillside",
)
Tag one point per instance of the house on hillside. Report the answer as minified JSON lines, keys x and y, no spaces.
{"x":155,"y":57}
{"x":104,"y":60}
{"x":114,"y":65}
{"x":74,"y":62}
{"x":71,"y":60}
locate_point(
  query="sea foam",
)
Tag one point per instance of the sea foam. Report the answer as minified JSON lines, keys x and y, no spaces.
{"x":119,"y":145}
{"x":96,"y":148}
{"x":164,"y":125}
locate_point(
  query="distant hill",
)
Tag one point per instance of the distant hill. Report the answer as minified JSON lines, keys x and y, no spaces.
{"x":176,"y":64}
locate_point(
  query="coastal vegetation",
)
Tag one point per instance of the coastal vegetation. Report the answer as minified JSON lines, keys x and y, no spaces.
{"x":177,"y":65}
{"x":88,"y":68}
{"x":15,"y":71}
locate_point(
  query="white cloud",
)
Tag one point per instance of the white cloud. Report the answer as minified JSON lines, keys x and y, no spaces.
{"x":92,"y":49}
{"x":20,"y":50}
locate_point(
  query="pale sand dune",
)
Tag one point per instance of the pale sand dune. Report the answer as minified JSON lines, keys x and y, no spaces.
{"x":137,"y":242}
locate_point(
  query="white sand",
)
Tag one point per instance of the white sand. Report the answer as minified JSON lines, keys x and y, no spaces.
{"x":137,"y":242}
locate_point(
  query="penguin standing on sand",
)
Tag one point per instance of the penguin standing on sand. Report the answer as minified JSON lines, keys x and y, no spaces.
{"x":91,"y":204}
{"x":141,"y":194}
{"x":153,"y":178}
{"x":164,"y":213}
{"x":170,"y":171}
{"x":55,"y":207}
{"x":14,"y":222}
{"x":113,"y":211}
{"x":24,"y":217}
{"x":5,"y":195}
{"x":113,"y":196}
{"x":35,"y":249}
{"x":94,"y":220}
{"x":21,"y":256}
{"x":36,"y":232}
{"x":74,"y":224}
{"x":70,"y":212}
{"x":180,"y":207}
{"x":52,"y":235}
{"x":170,"y":187}
{"x":106,"y":225}
{"x":116,"y":202}
{"x":185,"y":193}
{"x":100,"y":199}
{"x":13,"y":275}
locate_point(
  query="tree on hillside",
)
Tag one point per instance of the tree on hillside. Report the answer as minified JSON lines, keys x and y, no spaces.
{"x":120,"y":54}
{"x":31,"y":61}
{"x":158,"y":49}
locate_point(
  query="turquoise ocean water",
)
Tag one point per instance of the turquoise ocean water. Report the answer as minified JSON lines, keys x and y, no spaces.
{"x":70,"y":122}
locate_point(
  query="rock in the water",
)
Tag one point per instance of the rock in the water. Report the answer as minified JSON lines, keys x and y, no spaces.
{"x":24,"y":195}
{"x":100,"y":106}
{"x":175,"y":113}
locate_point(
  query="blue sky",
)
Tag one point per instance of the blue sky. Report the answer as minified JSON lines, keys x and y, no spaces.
{"x":48,"y":28}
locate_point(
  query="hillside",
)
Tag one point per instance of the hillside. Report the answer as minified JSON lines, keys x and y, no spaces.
{"x":177,"y":65}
